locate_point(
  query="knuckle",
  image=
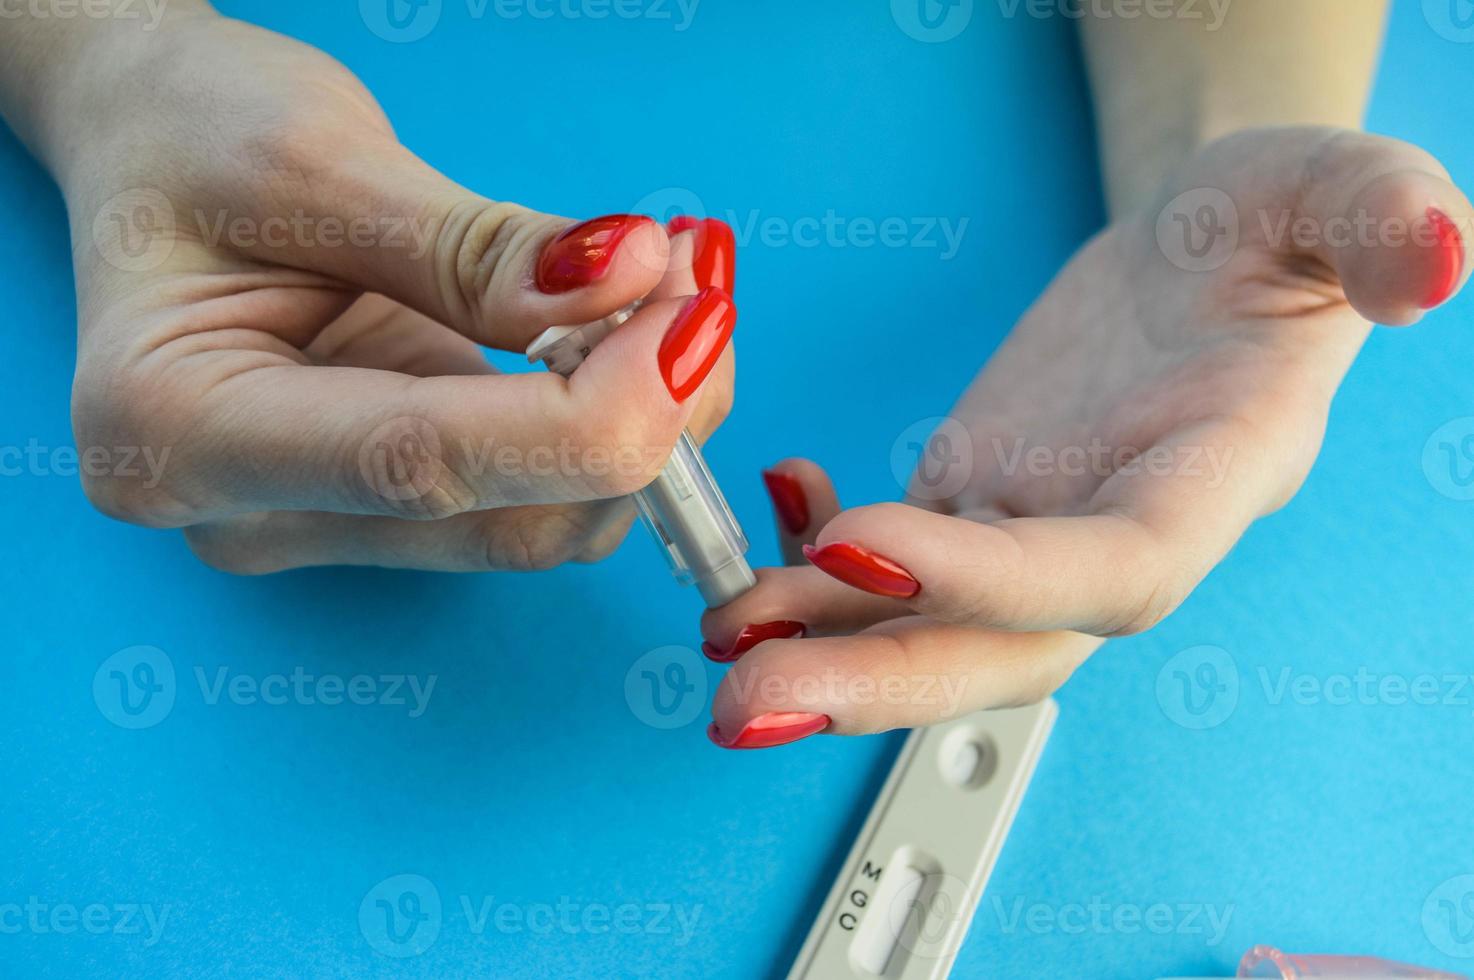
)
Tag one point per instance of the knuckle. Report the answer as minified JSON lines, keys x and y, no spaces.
{"x":605,"y":542}
{"x":598,"y":551}
{"x":473,"y":245}
{"x":303,"y":139}
{"x":444,"y":499}
{"x":404,"y":471}
{"x":533,"y":542}
{"x":132,"y":502}
{"x":1160,"y":600}
{"x":112,"y":406}
{"x":124,"y":454}
{"x":229,"y":549}
{"x":1158,"y":574}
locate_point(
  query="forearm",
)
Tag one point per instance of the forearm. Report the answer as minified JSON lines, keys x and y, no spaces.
{"x":63,"y":61}
{"x":1163,"y":86}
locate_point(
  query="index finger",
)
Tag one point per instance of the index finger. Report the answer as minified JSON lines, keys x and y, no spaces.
{"x":254,"y":430}
{"x":1147,"y":539}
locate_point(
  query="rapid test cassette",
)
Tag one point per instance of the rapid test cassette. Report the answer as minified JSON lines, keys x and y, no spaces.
{"x":908,"y":890}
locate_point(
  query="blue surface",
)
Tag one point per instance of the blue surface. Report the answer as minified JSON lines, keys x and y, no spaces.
{"x":531,"y":780}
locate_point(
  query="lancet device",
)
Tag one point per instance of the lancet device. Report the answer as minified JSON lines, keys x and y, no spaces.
{"x":908,"y":890}
{"x":683,"y":508}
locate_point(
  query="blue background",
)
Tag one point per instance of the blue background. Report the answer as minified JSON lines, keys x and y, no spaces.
{"x":532,"y":777}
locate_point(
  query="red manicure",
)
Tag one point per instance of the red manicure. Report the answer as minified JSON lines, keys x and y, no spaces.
{"x":774,"y":728}
{"x":582,"y":254}
{"x":863,"y":569}
{"x":715,"y":261}
{"x":695,"y":341}
{"x":1450,"y":259}
{"x":751,"y":636}
{"x":788,"y":500}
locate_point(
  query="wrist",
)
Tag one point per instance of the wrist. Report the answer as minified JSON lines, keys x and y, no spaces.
{"x":66,"y":73}
{"x":1164,"y":88}
{"x":1139,"y":157}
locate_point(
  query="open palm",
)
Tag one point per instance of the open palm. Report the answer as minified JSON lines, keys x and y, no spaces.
{"x":1170,"y":386}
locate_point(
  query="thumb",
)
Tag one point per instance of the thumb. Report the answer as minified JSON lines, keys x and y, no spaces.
{"x":497,"y":272}
{"x":1391,"y":224}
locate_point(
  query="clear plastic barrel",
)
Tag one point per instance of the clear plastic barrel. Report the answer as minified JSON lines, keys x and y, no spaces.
{"x":684,"y":510}
{"x":690,"y":519}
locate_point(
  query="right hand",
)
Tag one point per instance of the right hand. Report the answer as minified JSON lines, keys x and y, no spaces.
{"x":279,"y":296}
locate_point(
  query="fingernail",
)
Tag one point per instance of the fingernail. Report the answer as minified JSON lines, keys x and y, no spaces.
{"x":774,"y":728}
{"x":695,"y":341}
{"x":581,"y":255}
{"x":751,"y":636}
{"x":863,"y":569}
{"x":788,"y":500}
{"x":715,"y":261}
{"x":1450,"y":259}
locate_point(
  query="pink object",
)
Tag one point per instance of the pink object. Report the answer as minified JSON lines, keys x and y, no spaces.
{"x":1266,"y":961}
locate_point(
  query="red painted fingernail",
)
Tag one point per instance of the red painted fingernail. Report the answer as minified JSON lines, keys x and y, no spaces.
{"x":788,"y":500}
{"x":863,"y":569}
{"x":715,"y":261}
{"x":582,"y":254}
{"x":1450,"y":259}
{"x":695,"y":341}
{"x":751,"y":636}
{"x":774,"y":728}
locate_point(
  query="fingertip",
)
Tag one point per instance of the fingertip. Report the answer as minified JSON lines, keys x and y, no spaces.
{"x":790,"y":503}
{"x":1447,"y":258}
{"x":679,"y":277}
{"x":614,"y":246}
{"x":652,"y":364}
{"x":770,"y":730}
{"x":577,"y":275}
{"x":770,"y":698}
{"x":803,"y":500}
{"x":1408,"y":254}
{"x":753,"y":636}
{"x":695,"y":341}
{"x":713,"y":261}
{"x":861,"y":568}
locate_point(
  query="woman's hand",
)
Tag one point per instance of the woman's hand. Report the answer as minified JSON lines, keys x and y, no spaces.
{"x":1160,"y":396}
{"x":287,"y":308}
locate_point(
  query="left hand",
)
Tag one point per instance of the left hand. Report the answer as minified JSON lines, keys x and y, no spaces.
{"x":1136,"y":421}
